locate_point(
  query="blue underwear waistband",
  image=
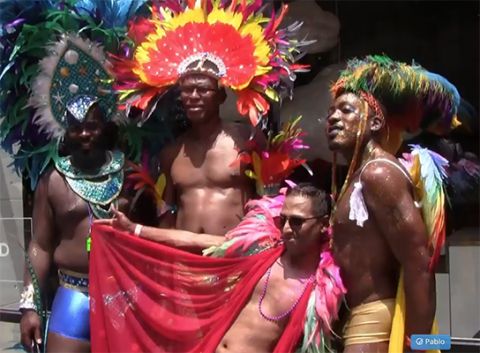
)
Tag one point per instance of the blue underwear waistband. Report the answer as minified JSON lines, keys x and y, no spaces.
{"x":73,"y":280}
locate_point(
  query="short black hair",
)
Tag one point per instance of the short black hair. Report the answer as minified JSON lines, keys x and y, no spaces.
{"x":321,"y":200}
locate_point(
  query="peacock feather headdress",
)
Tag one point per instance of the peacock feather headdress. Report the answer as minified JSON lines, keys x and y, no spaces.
{"x":28,"y":33}
{"x":232,"y":41}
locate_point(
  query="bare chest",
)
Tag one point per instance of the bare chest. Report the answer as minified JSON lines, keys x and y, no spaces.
{"x":207,"y":167}
{"x":277,"y":296}
{"x":66,"y":204}
{"x":353,"y":245}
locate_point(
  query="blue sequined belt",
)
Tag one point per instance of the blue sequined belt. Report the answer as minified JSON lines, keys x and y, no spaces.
{"x":73,"y":280}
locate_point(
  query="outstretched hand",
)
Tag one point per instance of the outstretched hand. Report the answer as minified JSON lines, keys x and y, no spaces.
{"x":119,"y":221}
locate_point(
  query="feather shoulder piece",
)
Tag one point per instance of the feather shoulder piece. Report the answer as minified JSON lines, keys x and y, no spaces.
{"x":428,"y":172}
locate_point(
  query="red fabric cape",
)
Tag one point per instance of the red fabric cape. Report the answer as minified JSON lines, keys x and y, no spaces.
{"x":148,"y":297}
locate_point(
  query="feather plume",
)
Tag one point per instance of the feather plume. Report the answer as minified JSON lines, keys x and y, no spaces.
{"x":396,"y":85}
{"x":428,"y":172}
{"x":251,"y":54}
{"x":271,"y":166}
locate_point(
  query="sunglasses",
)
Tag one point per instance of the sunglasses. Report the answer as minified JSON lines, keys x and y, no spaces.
{"x":293,"y":221}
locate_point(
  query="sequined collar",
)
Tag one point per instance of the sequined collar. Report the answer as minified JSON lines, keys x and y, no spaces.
{"x":116,"y":161}
{"x":99,"y":190}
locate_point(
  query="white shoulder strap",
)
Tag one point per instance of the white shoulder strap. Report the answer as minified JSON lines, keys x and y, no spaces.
{"x":358,"y":208}
{"x":388,"y":162}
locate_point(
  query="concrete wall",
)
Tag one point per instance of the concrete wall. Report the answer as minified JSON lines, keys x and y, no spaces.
{"x":11,"y":235}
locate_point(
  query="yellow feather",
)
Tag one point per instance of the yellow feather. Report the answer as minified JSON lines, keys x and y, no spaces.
{"x":141,"y":74}
{"x":196,"y":15}
{"x":272,"y":94}
{"x":397,"y":333}
{"x":250,"y":174}
{"x":160,"y":186}
{"x":262,"y":49}
{"x":455,"y":122}
{"x":257,"y":165}
{"x":228,"y":17}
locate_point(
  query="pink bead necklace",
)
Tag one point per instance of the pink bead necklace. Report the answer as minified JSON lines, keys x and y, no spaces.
{"x":282,"y":315}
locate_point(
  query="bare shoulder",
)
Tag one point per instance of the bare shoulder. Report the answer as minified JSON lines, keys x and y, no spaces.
{"x":50,"y":184}
{"x":243,"y":132}
{"x":238,"y":129}
{"x":170,"y":151}
{"x":385,"y":180}
{"x":51,"y":179}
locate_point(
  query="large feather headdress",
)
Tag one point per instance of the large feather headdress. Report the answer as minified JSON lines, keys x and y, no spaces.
{"x":74,"y":75}
{"x":415,"y":96}
{"x":26,"y":29}
{"x":234,"y":43}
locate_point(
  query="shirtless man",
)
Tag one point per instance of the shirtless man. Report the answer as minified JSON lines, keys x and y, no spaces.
{"x":395,"y":232}
{"x":205,"y":47}
{"x":304,"y":222}
{"x":377,"y":228}
{"x":204,"y":188}
{"x":63,"y":212}
{"x":262,"y":321}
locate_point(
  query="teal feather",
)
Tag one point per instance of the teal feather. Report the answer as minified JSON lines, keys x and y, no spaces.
{"x":27,"y":27}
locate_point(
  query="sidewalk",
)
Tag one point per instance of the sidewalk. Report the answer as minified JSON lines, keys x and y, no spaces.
{"x":10,"y":338}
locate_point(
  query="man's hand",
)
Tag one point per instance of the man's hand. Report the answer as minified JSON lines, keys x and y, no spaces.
{"x":30,"y":330}
{"x":119,"y":221}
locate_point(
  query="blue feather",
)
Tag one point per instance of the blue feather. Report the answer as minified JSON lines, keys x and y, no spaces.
{"x":449,"y":88}
{"x":113,"y":13}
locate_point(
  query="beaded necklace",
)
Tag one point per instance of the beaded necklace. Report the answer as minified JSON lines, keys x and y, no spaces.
{"x":286,"y":313}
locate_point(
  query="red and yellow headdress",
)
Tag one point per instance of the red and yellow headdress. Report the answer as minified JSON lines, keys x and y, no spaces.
{"x":234,"y":43}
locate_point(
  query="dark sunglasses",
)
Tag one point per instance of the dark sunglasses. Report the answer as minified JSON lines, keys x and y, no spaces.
{"x":294,"y":221}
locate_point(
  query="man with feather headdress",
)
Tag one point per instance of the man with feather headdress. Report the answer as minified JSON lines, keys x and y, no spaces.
{"x":388,"y":221}
{"x":73,"y":99}
{"x":202,"y":48}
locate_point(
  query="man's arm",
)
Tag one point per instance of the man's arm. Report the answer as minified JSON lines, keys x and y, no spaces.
{"x":388,"y":196}
{"x":181,"y":239}
{"x":40,"y":252}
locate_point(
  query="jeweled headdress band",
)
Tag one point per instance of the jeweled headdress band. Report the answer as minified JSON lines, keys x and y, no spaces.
{"x":79,"y":106}
{"x":201,"y":59}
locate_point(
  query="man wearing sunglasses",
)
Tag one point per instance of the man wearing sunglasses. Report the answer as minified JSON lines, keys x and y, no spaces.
{"x":303,"y":221}
{"x":293,"y":280}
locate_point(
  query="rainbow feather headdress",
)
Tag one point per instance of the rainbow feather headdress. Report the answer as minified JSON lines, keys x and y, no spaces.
{"x":234,"y":43}
{"x":411,"y":96}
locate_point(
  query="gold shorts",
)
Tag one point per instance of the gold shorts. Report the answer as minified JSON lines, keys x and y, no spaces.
{"x":369,"y":323}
